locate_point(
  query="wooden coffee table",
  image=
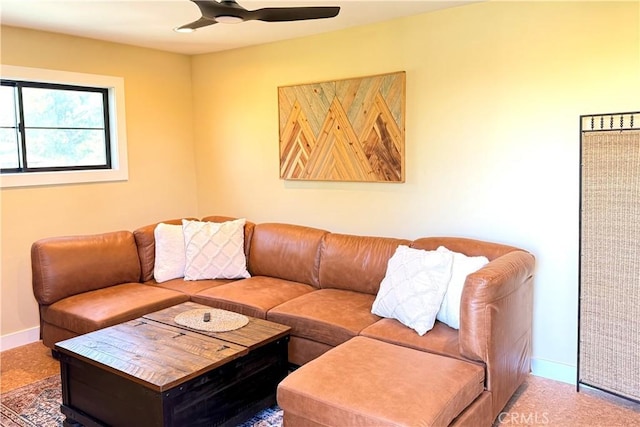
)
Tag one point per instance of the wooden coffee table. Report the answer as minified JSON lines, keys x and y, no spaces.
{"x":153,"y":372}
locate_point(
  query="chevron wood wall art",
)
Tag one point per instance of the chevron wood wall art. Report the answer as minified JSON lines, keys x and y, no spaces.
{"x":345,"y":130}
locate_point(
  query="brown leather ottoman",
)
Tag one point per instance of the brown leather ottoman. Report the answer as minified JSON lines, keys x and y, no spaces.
{"x":366,"y":382}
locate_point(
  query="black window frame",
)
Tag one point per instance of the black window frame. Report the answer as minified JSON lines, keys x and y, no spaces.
{"x":22,"y":142}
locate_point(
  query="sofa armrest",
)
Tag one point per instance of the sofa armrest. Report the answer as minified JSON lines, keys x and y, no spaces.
{"x":65,"y":266}
{"x":496,"y":320}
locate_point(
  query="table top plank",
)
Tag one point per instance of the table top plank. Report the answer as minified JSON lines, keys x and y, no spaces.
{"x":158,"y":340}
{"x":151,"y":354}
{"x":256,"y":333}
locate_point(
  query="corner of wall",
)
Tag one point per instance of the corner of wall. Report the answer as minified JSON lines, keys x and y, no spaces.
{"x":554,"y":370}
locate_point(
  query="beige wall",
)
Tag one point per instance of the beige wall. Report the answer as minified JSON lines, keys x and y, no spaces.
{"x":494,"y":95}
{"x":161,"y":157}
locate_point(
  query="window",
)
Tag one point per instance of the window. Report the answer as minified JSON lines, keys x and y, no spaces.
{"x":60,"y":127}
{"x":47,"y":126}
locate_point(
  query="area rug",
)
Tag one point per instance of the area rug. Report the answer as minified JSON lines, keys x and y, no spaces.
{"x":34,"y":405}
{"x":38,"y":405}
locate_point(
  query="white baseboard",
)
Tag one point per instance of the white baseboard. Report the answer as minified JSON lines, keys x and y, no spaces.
{"x":554,"y":370}
{"x":19,"y":338}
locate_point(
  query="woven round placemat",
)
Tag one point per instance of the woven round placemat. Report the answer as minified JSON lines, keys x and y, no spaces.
{"x":221,"y":320}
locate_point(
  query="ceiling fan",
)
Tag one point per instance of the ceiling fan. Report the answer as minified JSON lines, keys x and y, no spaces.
{"x":229,"y":11}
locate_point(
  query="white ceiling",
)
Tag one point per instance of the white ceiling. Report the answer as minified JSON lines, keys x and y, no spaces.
{"x":150,"y":23}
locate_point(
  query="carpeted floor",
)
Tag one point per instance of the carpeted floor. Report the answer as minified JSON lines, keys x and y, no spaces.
{"x":34,"y":405}
{"x":538,"y":402}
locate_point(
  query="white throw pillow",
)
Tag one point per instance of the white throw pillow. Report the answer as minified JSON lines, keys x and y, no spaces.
{"x":462,"y":266}
{"x":170,"y":257}
{"x":214,"y":250}
{"x":413,"y":287}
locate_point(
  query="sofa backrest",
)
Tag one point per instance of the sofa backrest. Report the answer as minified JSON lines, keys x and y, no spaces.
{"x":469,"y":247}
{"x":65,"y":266}
{"x":248,"y":229}
{"x":356,"y":263}
{"x":286,"y":251}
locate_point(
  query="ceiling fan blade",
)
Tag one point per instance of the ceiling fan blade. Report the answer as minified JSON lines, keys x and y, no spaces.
{"x":202,"y":22}
{"x":280,"y":14}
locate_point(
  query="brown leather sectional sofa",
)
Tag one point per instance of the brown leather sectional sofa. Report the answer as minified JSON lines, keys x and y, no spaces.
{"x":322,"y":284}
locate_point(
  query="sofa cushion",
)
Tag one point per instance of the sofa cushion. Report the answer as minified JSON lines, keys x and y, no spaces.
{"x":65,"y":266}
{"x":355,"y":263}
{"x":98,"y":309}
{"x":253,"y":296}
{"x":146,"y":244}
{"x":329,"y":316}
{"x":413,"y":287}
{"x":441,"y":339}
{"x":366,"y":382}
{"x":214,"y":250}
{"x":463,"y":265}
{"x":145,"y":241}
{"x":189,"y":287}
{"x":169,"y":260}
{"x":248,"y":229}
{"x":286,"y":251}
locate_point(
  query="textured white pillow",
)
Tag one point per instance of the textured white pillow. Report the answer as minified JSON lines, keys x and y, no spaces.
{"x":170,"y":258}
{"x":214,"y":250}
{"x":462,"y":266}
{"x":413,"y":287}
